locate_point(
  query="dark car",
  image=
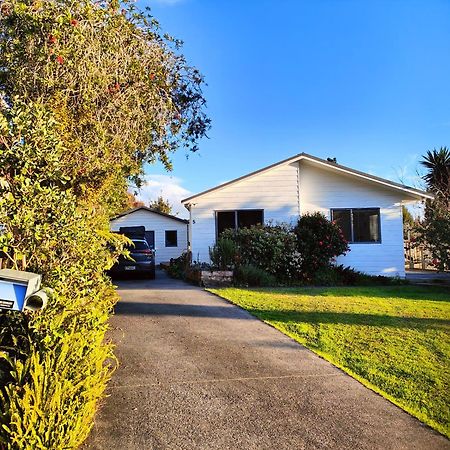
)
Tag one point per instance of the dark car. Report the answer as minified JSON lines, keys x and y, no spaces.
{"x":142,"y":262}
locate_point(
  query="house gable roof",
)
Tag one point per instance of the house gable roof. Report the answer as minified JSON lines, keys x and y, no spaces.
{"x":145,"y":208}
{"x":327,"y":164}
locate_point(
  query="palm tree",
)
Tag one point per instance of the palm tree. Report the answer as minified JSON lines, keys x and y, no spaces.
{"x":438,"y":177}
{"x":434,"y":230}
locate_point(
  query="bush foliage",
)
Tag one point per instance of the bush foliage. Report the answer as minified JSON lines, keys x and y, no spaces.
{"x":52,"y":368}
{"x":270,"y":248}
{"x":281,"y":253}
{"x":339,"y":275}
{"x":178,"y":266}
{"x":248,"y":275}
{"x":319,"y":241}
{"x":223,"y":254}
{"x":434,"y":230}
{"x":89,"y":92}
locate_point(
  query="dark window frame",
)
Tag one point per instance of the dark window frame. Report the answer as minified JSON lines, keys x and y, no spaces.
{"x":235,"y":211}
{"x":176,"y":238}
{"x":352,"y":240}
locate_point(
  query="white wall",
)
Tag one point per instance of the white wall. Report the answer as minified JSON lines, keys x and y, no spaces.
{"x":159,"y":224}
{"x":285,"y":192}
{"x":323,"y":189}
{"x":275,"y":191}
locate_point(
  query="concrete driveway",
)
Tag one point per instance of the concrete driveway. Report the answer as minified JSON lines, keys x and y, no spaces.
{"x":428,"y":277}
{"x":199,"y":373}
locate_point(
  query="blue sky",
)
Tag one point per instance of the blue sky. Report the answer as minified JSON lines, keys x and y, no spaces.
{"x":366,"y":82}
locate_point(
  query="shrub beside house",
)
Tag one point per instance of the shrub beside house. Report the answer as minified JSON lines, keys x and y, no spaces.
{"x":271,"y":255}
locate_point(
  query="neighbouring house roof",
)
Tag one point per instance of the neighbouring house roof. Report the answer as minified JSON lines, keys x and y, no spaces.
{"x":145,"y":208}
{"x":332,"y":165}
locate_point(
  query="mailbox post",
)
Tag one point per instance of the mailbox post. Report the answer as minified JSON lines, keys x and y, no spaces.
{"x":21,"y":291}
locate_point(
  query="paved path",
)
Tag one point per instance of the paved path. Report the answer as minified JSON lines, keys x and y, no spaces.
{"x":428,"y":277}
{"x":199,"y":373}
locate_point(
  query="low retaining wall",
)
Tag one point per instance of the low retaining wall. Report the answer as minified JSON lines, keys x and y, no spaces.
{"x":210,"y":278}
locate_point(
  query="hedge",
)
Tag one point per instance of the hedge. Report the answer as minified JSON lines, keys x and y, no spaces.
{"x":89,"y":93}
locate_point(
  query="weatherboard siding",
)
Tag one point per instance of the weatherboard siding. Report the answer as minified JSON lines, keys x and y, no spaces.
{"x":159,"y":224}
{"x":274,"y":191}
{"x":286,"y":191}
{"x":322,"y":189}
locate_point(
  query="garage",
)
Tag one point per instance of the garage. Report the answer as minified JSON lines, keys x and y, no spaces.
{"x":166,"y":234}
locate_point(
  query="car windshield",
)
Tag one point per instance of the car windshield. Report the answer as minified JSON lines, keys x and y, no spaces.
{"x":139,"y":245}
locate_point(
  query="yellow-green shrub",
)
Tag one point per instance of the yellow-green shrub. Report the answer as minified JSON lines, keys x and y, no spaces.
{"x":53,"y":364}
{"x":51,"y":399}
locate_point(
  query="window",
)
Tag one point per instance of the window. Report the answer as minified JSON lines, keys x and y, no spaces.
{"x":139,"y":245}
{"x":243,"y":218}
{"x":358,"y":225}
{"x":366,"y":225}
{"x":171,"y":238}
{"x":248,"y":218}
{"x":225,"y":220}
{"x":343,"y":217}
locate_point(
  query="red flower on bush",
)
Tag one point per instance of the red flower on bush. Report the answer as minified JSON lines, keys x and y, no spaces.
{"x":319,"y":240}
{"x":74,"y":22}
{"x":114,"y":88}
{"x":59,"y":59}
{"x":51,"y":39}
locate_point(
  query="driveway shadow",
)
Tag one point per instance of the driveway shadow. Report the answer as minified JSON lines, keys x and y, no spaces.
{"x":228,"y":312}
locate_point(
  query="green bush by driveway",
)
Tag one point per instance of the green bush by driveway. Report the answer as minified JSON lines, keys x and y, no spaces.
{"x":395,"y":340}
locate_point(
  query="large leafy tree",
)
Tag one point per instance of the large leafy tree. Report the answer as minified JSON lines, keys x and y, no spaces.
{"x":119,"y":90}
{"x":161,"y":205}
{"x":434,"y":230}
{"x":133,"y":202}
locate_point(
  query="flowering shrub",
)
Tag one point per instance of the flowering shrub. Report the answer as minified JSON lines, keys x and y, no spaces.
{"x":88,"y":93}
{"x":319,"y":241}
{"x":273,"y":249}
{"x":288,"y":254}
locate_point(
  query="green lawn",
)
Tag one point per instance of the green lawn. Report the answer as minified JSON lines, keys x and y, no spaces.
{"x":395,"y":340}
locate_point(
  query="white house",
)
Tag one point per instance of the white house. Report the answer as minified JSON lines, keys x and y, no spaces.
{"x":167,"y":234}
{"x":368,"y":208}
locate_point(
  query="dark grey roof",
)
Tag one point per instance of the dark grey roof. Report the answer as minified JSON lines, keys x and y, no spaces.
{"x":330,"y":164}
{"x":145,"y":208}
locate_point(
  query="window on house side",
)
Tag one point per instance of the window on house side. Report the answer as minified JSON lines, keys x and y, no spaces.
{"x":359,"y":225}
{"x":249,"y":218}
{"x":243,"y":218}
{"x":225,"y":220}
{"x":343,"y":218}
{"x":171,"y":238}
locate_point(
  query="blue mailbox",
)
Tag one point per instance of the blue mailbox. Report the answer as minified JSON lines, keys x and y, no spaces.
{"x":20,"y":290}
